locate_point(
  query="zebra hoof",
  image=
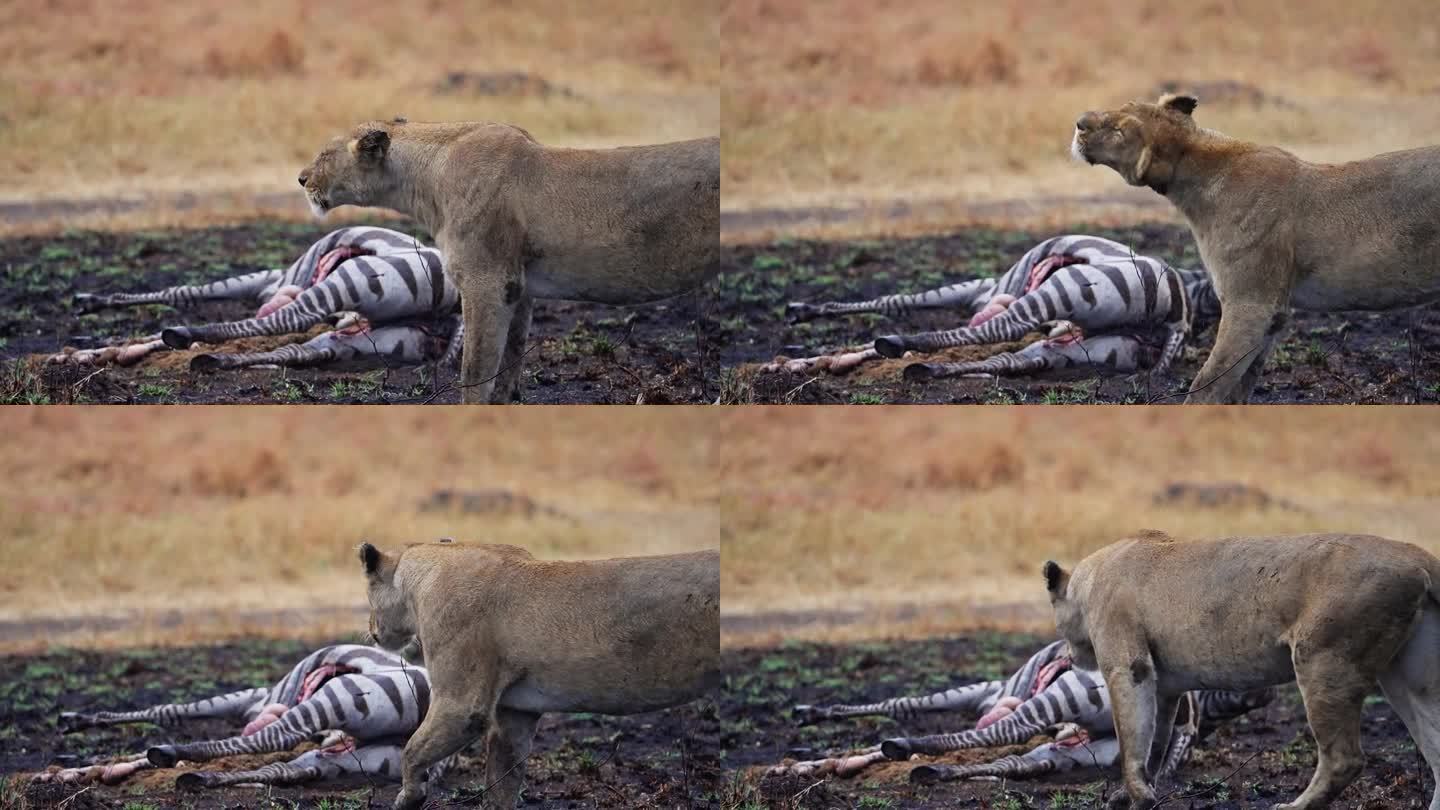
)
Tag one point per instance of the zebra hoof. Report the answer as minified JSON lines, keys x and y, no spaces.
{"x":68,"y":722}
{"x":797,"y":311}
{"x":896,"y":750}
{"x":86,"y":302}
{"x":926,"y":774}
{"x":918,"y":372}
{"x":190,"y":780}
{"x":890,"y":346}
{"x":204,"y":363}
{"x":177,"y":337}
{"x":162,"y":756}
{"x":806,"y":715}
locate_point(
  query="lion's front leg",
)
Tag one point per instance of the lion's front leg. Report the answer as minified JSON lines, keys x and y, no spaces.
{"x":1246,"y":334}
{"x":1130,"y":677}
{"x":447,"y":727}
{"x":486,"y":316}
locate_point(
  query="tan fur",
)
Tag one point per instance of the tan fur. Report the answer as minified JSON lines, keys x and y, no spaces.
{"x":507,"y":637}
{"x":516,"y":220}
{"x":1335,"y":612}
{"x":1277,"y":231}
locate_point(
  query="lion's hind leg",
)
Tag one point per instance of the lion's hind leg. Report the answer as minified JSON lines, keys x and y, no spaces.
{"x":1412,"y":686}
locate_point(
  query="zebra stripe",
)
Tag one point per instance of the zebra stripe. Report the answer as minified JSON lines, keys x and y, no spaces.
{"x":1119,"y":353}
{"x":234,"y":705}
{"x":390,"y":284}
{"x":977,"y":698}
{"x":395,"y":344}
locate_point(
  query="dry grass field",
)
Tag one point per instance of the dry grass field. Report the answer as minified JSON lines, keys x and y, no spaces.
{"x":207,"y":110}
{"x":952,"y":108}
{"x":850,"y":523}
{"x":148,"y":525}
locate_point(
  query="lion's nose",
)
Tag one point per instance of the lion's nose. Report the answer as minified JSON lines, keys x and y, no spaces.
{"x":1086,"y":121}
{"x":303,"y":177}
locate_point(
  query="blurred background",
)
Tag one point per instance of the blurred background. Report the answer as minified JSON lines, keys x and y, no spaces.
{"x":137,"y":526}
{"x":147,"y":113}
{"x":932,"y":112}
{"x":843,"y":524}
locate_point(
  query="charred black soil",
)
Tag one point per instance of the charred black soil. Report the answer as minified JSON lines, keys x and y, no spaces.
{"x":578,"y":353}
{"x":657,"y":760}
{"x":1262,"y":759}
{"x":1353,"y":357}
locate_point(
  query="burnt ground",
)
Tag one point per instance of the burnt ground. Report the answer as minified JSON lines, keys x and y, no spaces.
{"x":1354,"y":357}
{"x":1258,"y":761}
{"x":657,"y":760}
{"x":578,"y":353}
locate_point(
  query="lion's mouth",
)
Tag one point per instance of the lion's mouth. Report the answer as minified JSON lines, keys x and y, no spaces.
{"x":1077,"y":149}
{"x":318,"y":204}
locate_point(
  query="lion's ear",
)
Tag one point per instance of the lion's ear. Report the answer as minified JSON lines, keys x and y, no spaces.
{"x":372,"y":146}
{"x":1056,"y":580}
{"x":370,"y":558}
{"x":1179,"y":102}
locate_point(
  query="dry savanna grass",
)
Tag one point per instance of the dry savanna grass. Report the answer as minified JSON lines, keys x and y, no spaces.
{"x":244,"y":520}
{"x":846,"y":101}
{"x":103,"y":99}
{"x":933,"y":520}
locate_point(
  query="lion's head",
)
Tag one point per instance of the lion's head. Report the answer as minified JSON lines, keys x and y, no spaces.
{"x":1141,"y":141}
{"x":352,"y":170}
{"x":392,"y":625}
{"x":1069,"y":617}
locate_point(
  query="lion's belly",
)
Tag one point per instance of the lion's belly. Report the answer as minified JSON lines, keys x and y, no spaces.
{"x":617,"y":276}
{"x":1366,"y":289}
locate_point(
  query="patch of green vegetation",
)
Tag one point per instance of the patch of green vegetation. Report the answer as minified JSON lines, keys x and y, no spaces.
{"x":154,"y":390}
{"x":862,"y":398}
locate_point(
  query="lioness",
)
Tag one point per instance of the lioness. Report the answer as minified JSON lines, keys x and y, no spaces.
{"x":508,"y":637}
{"x":516,"y":220}
{"x":1335,"y":612}
{"x":1274,"y":230}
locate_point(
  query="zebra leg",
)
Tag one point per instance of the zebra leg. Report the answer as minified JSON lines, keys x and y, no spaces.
{"x":402,"y":345}
{"x":293,"y":727}
{"x":507,"y":385}
{"x":844,"y":765}
{"x":232,"y":705}
{"x":312,"y":306}
{"x":107,"y":774}
{"x":1056,"y":757}
{"x":963,"y":699}
{"x":1075,"y":697}
{"x":312,"y":766}
{"x":1015,"y":322}
{"x":507,"y":744}
{"x":966,"y":295}
{"x":838,"y":363}
{"x":125,"y":354}
{"x":248,"y":286}
{"x":1182,"y":738}
{"x":1114,"y":353}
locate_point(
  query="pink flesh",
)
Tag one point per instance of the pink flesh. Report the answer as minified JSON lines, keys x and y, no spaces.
{"x":1080,"y":738}
{"x":268,"y":715}
{"x":319,"y":676}
{"x":993,"y":307}
{"x":1074,"y":336}
{"x":1048,"y":674}
{"x":360,"y":327}
{"x":1003,"y":708}
{"x":345,"y":746}
{"x":333,"y":259}
{"x":284,"y":297}
{"x":1046,"y":266}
